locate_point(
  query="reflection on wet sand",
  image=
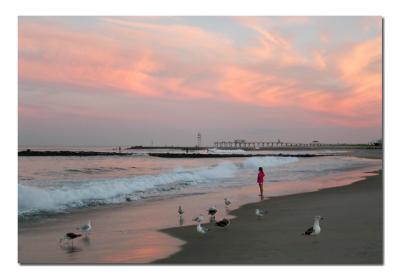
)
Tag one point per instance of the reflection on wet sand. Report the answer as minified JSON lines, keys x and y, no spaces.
{"x":71,"y":249}
{"x":86,"y":240}
{"x":143,"y":250}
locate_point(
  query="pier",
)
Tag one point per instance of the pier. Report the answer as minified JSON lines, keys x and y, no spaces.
{"x":242,"y":144}
{"x":280,"y":145}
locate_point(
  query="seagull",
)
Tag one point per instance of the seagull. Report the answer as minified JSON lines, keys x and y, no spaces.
{"x":85,"y":228}
{"x":260,"y":212}
{"x":315,"y":229}
{"x":201,"y":229}
{"x":212,"y":211}
{"x":224,"y":223}
{"x":70,"y":236}
{"x":227,"y":202}
{"x":199,"y":218}
{"x":180,"y":210}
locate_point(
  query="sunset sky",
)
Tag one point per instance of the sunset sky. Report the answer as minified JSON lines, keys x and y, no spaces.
{"x":134,"y":80}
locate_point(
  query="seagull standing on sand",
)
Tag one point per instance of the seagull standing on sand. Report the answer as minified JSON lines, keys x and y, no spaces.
{"x":260,"y":212}
{"x":70,"y":236}
{"x":212,"y":211}
{"x":315,"y":229}
{"x":199,"y":218}
{"x":227,"y":202}
{"x":85,"y":228}
{"x":201,"y":229}
{"x":224,"y":223}
{"x":180,"y":211}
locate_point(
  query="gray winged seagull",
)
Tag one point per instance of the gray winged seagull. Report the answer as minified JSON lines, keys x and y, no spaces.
{"x":260,"y":212}
{"x":86,"y":228}
{"x":180,"y":211}
{"x":315,"y":229}
{"x":199,"y":218}
{"x":201,"y":229}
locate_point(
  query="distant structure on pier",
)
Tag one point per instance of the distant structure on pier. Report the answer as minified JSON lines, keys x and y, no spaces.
{"x":240,"y":143}
{"x":198,"y":140}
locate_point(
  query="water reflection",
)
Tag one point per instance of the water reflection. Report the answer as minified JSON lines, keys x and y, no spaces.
{"x":86,"y":240}
{"x":69,"y":249}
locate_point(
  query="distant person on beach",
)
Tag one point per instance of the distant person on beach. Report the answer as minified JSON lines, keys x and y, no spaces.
{"x":260,"y":180}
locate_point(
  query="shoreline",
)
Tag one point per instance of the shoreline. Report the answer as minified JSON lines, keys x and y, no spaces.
{"x":352,"y":231}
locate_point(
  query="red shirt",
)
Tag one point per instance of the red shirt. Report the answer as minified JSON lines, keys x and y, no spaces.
{"x":260,"y":177}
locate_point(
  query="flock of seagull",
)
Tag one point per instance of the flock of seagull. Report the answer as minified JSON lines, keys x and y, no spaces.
{"x":225,"y":222}
{"x":212,"y":211}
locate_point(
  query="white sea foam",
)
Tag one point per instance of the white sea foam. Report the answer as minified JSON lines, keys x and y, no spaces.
{"x":225,"y":151}
{"x":70,"y":194}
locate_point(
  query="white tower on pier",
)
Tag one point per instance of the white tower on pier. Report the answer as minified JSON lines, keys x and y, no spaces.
{"x":198,"y":139}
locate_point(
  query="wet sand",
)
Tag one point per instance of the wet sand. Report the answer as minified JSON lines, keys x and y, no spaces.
{"x":352,"y":231}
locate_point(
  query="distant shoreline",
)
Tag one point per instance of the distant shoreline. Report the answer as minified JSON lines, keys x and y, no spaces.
{"x":29,"y":152}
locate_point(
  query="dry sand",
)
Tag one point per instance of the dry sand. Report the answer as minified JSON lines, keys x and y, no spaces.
{"x":352,"y":231}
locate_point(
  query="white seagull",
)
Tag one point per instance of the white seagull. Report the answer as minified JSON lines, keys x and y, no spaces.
{"x":260,"y":212}
{"x":315,"y":229}
{"x":85,"y":228}
{"x":180,"y":210}
{"x":199,"y":218}
{"x":227,"y":202}
{"x":201,"y":229}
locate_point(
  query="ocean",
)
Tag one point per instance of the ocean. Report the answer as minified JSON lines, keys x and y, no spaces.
{"x":60,"y":185}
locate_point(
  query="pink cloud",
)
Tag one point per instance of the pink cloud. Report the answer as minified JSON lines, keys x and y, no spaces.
{"x":184,"y":62}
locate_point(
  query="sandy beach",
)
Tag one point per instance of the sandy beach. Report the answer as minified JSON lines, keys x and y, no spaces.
{"x":150,"y":231}
{"x":352,"y":230}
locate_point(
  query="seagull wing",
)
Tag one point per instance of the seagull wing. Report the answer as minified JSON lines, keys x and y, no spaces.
{"x":85,"y":227}
{"x":309,"y":231}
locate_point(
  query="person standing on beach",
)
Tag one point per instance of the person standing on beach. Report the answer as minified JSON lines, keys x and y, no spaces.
{"x":260,"y":180}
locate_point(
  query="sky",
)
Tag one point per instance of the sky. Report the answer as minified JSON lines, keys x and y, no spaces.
{"x":111,"y":81}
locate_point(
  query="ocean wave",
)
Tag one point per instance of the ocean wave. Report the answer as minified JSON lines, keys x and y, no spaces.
{"x":65,"y":195}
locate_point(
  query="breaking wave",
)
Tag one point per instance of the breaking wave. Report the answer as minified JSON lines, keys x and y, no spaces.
{"x":68,"y":194}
